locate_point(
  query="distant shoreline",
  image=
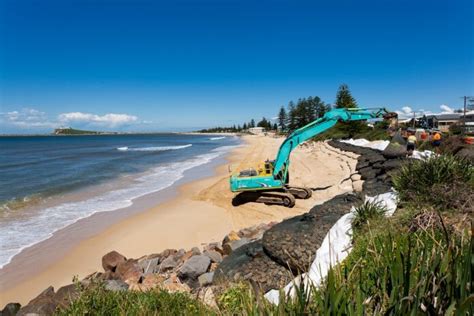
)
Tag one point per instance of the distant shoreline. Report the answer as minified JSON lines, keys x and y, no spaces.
{"x":114,"y":134}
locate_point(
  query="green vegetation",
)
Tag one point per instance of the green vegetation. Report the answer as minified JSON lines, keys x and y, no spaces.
{"x":344,"y":98}
{"x":366,"y":212}
{"x":72,"y":131}
{"x":418,"y":261}
{"x":443,"y":182}
{"x":95,"y":300}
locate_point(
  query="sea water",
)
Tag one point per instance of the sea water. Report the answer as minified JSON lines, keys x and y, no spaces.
{"x":50,"y":182}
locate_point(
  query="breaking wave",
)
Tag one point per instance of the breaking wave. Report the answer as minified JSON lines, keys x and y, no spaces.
{"x":158,"y":148}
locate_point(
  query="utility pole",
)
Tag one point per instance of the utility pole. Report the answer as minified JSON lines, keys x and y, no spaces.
{"x":466,"y":100}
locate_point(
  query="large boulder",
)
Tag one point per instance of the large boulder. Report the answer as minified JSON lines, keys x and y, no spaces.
{"x":215,"y":256}
{"x":368,"y":173}
{"x":233,"y":245}
{"x":194,"y":267}
{"x":11,"y":309}
{"x":168,"y":264}
{"x":293,"y":242}
{"x":66,"y":294}
{"x":394,"y":150}
{"x":129,"y":271}
{"x":250,"y":263}
{"x":115,"y":285}
{"x":111,"y":260}
{"x":43,"y":304}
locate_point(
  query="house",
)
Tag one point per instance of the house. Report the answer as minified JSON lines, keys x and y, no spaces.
{"x":256,"y":130}
{"x":443,"y":121}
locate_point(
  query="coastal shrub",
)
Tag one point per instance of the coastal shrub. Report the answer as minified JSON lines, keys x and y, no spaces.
{"x":444,"y":182}
{"x":386,"y":274}
{"x":96,"y":300}
{"x":366,"y":212}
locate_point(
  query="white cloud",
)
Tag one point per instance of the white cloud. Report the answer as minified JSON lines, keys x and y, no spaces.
{"x":26,"y":118}
{"x":446,"y":109}
{"x":31,"y":119}
{"x":110,"y":119}
{"x":407,"y":112}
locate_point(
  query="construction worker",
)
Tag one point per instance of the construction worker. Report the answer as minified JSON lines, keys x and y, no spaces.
{"x":411,"y":142}
{"x":436,"y":141}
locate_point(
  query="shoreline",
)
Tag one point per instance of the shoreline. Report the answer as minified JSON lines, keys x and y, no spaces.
{"x":63,"y":241}
{"x":200,"y":212}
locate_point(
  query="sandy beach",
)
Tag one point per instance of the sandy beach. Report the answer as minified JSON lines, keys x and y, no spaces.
{"x":200,"y":213}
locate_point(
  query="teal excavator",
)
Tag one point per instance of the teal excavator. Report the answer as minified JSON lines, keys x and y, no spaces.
{"x":268,"y":182}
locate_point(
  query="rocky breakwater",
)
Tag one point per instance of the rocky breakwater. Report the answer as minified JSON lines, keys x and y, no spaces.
{"x":289,"y":247}
{"x":173,"y":270}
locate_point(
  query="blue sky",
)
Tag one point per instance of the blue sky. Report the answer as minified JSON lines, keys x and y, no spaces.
{"x":172,"y":65}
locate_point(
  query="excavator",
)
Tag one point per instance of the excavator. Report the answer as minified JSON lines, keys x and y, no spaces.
{"x":269,"y":181}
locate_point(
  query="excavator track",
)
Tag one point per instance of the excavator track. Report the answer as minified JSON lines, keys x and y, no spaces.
{"x":270,"y":198}
{"x":299,"y":192}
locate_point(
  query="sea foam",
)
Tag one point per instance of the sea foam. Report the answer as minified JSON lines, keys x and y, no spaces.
{"x":27,"y":232}
{"x":157,"y":148}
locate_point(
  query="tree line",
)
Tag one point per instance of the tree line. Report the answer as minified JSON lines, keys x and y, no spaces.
{"x":295,"y":114}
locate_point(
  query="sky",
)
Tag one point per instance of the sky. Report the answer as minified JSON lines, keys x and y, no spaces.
{"x":150,"y":65}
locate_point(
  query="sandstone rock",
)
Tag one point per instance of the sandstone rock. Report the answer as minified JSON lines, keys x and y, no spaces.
{"x":232,"y":236}
{"x":129,"y":271}
{"x":111,"y":260}
{"x":115,"y":285}
{"x":11,"y":309}
{"x":194,"y":267}
{"x":233,"y":245}
{"x":168,"y":252}
{"x":358,"y":185}
{"x":43,"y":304}
{"x":168,"y":264}
{"x":66,"y":294}
{"x":176,"y":287}
{"x":206,"y":278}
{"x":149,"y":265}
{"x":152,"y":281}
{"x":195,"y":251}
{"x":355,"y":177}
{"x":207,"y":296}
{"x":182,"y":255}
{"x":213,"y":255}
{"x":213,"y":267}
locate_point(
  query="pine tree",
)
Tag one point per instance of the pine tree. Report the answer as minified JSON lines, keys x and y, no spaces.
{"x":292,"y":116}
{"x":282,"y":118}
{"x":344,"y":98}
{"x":252,"y":123}
{"x":245,"y":126}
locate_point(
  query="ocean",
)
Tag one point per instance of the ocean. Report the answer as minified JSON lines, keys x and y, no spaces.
{"x":50,"y":182}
